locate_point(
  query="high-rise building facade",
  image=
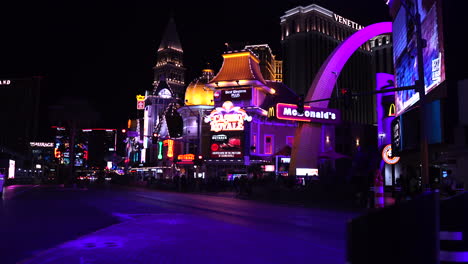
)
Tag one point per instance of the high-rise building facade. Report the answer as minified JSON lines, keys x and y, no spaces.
{"x":278,"y":70}
{"x":19,"y":113}
{"x":169,"y":65}
{"x":267,"y":60}
{"x":308,"y":36}
{"x":382,"y":53}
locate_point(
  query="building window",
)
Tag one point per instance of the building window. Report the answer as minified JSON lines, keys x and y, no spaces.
{"x":289,"y":140}
{"x":268,"y":144}
{"x":254,"y":143}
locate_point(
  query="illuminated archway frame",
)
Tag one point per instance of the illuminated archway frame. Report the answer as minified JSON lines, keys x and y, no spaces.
{"x":305,"y":150}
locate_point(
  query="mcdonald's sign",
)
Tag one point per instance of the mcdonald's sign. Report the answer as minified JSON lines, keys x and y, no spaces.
{"x":391,"y":110}
{"x":271,"y":112}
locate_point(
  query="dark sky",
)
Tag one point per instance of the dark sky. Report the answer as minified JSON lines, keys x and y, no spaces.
{"x":105,"y":50}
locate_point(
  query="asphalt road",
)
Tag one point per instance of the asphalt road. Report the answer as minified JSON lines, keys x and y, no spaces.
{"x":43,"y":224}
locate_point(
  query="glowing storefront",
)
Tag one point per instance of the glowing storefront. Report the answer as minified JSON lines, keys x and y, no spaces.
{"x":236,"y":131}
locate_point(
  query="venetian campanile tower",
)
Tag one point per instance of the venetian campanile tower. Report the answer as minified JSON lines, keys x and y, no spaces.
{"x":169,"y":65}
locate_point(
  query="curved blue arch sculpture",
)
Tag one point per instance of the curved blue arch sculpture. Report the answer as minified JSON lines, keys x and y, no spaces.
{"x":307,"y":137}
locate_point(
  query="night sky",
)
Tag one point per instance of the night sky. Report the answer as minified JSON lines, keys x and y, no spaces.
{"x":104,"y":51}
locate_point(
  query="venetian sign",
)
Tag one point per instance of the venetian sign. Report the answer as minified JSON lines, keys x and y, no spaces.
{"x":311,"y":114}
{"x":227,"y":118}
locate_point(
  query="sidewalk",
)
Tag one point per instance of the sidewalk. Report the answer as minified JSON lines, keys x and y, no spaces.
{"x":184,"y":238}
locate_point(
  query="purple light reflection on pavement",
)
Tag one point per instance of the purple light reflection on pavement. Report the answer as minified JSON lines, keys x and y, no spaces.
{"x":324,"y":82}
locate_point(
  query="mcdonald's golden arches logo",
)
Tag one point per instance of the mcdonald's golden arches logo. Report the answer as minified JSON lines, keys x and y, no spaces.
{"x":391,"y":110}
{"x":271,"y":112}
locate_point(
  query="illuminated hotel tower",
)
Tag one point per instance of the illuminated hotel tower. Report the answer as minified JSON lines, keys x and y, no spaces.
{"x":308,"y":36}
{"x":169,"y":64}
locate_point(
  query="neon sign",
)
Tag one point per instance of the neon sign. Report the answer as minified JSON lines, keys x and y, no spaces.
{"x":391,"y":110}
{"x":186,"y":157}
{"x":387,"y":155}
{"x":160,"y":144}
{"x":227,"y":118}
{"x":5,"y":82}
{"x":42,"y":144}
{"x":170,"y":147}
{"x":140,"y":102}
{"x":311,"y":114}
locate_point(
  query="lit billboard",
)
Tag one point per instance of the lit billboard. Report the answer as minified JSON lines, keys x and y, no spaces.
{"x":405,"y":50}
{"x":227,"y":145}
{"x":227,"y":118}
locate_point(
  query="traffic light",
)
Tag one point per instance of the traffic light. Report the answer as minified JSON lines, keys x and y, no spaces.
{"x":300,"y":104}
{"x":347,"y":97}
{"x":155,"y":137}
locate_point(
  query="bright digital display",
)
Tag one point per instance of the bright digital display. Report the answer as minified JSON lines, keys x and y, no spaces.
{"x":405,"y":51}
{"x":306,"y":172}
{"x":227,"y":145}
{"x":311,"y":114}
{"x":11,"y":169}
{"x":233,"y":94}
{"x":227,"y":118}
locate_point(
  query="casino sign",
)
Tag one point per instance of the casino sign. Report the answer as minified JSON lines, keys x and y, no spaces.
{"x":227,"y":118}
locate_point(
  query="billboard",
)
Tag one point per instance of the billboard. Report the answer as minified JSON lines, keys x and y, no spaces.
{"x":405,"y":50}
{"x":233,"y":94}
{"x":227,"y":145}
{"x":227,"y":118}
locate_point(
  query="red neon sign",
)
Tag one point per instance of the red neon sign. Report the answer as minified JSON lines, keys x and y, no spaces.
{"x":387,"y":155}
{"x":186,"y":157}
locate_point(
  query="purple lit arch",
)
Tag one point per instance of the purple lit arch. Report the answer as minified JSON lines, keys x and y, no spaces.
{"x":307,"y":142}
{"x":322,"y":86}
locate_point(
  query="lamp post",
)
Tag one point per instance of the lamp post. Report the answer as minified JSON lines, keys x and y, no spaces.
{"x":420,"y":88}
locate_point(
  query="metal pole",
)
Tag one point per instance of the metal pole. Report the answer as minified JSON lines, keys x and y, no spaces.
{"x":422,"y":103}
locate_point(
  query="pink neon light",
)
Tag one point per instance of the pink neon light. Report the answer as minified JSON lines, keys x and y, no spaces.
{"x":322,"y":86}
{"x":324,"y":115}
{"x":88,"y":129}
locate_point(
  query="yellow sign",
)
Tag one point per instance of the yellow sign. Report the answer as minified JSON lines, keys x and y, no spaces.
{"x":391,"y":110}
{"x":271,"y":112}
{"x":140,"y":97}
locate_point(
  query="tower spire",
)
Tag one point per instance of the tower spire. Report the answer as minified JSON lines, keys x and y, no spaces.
{"x":170,"y":38}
